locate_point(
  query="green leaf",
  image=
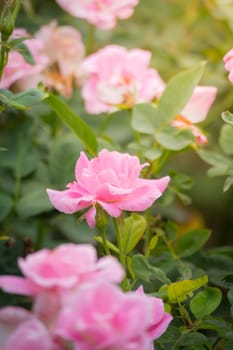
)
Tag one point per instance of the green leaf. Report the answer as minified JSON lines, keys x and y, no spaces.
{"x":226,"y":139}
{"x":6,"y":204}
{"x":177,"y":93}
{"x":179,"y":291}
{"x":134,"y":228}
{"x":146,"y":272}
{"x":228,"y":117}
{"x":34,"y":201}
{"x":23,"y":100}
{"x":25,"y":52}
{"x":193,"y":339}
{"x":147,"y":119}
{"x":64,"y":154}
{"x":214,"y":158}
{"x":228,"y":183}
{"x":75,"y":123}
{"x":174,"y":139}
{"x":143,"y":118}
{"x":191,"y":242}
{"x":205,"y":302}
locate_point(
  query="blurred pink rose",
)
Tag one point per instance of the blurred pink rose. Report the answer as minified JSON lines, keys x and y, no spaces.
{"x":64,"y":50}
{"x":119,"y":77}
{"x":61,"y":270}
{"x":101,"y":13}
{"x":21,"y":330}
{"x":228,"y":62}
{"x":103,"y":317}
{"x":111,"y":180}
{"x":17,"y":68}
{"x":196,"y":111}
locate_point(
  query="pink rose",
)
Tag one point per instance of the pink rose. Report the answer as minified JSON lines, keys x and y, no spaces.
{"x":101,"y":13}
{"x":111,"y":180}
{"x":64,"y":50}
{"x":61,"y":270}
{"x":119,"y":77}
{"x":228,"y":64}
{"x":103,"y":317}
{"x":196,"y":111}
{"x":17,"y":68}
{"x":21,"y":330}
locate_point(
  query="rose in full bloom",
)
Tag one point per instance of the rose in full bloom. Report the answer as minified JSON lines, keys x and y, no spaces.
{"x":228,"y":62}
{"x":61,"y":270}
{"x":64,"y":49}
{"x":103,"y":317}
{"x":17,"y":68}
{"x":101,"y":13}
{"x":112,"y":180}
{"x":20,"y":329}
{"x":118,"y":77}
{"x":196,"y":111}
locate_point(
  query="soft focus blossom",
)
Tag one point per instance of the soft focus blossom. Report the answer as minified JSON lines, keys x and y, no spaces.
{"x":60,"y":270}
{"x":103,"y":317}
{"x":228,"y":62}
{"x":17,"y":68}
{"x":21,"y":330}
{"x":65,"y":50}
{"x":101,"y":13}
{"x":111,"y":180}
{"x":118,"y":77}
{"x":196,"y":111}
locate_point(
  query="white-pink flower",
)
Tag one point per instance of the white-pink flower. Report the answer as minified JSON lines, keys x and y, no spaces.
{"x":21,"y":330}
{"x":112,"y":180}
{"x":228,"y":63}
{"x":196,"y":111}
{"x":17,"y":68}
{"x":101,"y":13}
{"x":118,"y":77}
{"x":61,"y":270}
{"x":64,"y":49}
{"x":103,"y":317}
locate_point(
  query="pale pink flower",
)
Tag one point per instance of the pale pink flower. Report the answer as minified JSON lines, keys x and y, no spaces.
{"x":228,"y":63}
{"x":21,"y":330}
{"x":17,"y":68}
{"x":60,"y":270}
{"x":103,"y":317}
{"x":65,"y":50}
{"x":196,"y":111}
{"x":101,"y":13}
{"x":112,"y":180}
{"x":118,"y":77}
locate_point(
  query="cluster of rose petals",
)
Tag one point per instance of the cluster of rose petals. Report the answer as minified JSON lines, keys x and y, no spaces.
{"x":228,"y":62}
{"x":57,"y":52}
{"x":17,"y":68}
{"x":61,"y":269}
{"x":112,"y":180}
{"x":116,"y":76}
{"x":101,"y":13}
{"x":199,"y":104}
{"x":20,"y":329}
{"x":102,"y":317}
{"x":65,"y":50}
{"x":95,"y":314}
